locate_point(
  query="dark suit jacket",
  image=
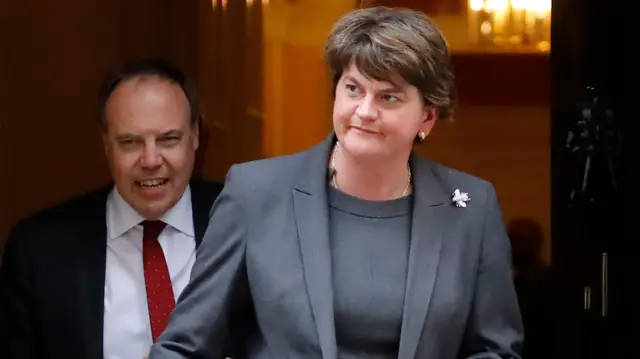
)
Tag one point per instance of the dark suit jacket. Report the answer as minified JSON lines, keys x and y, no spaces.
{"x":52,"y":277}
{"x":262,"y":277}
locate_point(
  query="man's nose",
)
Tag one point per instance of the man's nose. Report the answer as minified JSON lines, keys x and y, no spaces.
{"x":151,"y":157}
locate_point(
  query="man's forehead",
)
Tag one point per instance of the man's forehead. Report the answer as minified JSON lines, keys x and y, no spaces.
{"x":145,"y":84}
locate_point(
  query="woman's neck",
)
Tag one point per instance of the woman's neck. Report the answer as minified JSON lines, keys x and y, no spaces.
{"x":374,"y":181}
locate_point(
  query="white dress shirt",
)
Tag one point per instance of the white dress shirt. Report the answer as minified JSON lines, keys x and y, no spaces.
{"x":127,"y":332}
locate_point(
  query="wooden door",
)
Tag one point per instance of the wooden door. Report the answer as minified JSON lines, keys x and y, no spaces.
{"x":53,"y":56}
{"x":230,"y":83}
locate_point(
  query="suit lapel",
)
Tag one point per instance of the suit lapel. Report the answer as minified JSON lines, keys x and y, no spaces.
{"x":429,"y":220}
{"x":91,"y":263}
{"x":311,"y":215}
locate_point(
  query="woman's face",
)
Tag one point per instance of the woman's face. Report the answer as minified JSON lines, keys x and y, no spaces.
{"x":377,"y":119}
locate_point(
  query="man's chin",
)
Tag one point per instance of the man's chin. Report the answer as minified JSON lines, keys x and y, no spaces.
{"x":153,"y":213}
{"x":152,"y":209}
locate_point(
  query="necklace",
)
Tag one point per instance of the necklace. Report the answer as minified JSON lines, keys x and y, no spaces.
{"x":334,"y":181}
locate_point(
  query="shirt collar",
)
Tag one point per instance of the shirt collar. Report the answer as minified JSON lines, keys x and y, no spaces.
{"x":121,"y":217}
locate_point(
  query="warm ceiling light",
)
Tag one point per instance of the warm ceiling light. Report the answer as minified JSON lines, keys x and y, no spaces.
{"x":509,"y":23}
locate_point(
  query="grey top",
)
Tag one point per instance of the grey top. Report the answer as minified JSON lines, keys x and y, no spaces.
{"x":369,"y":252}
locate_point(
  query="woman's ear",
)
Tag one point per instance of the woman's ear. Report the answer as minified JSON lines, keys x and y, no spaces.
{"x":429,"y":120}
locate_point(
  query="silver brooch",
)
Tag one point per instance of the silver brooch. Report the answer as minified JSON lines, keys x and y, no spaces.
{"x":460,"y":198}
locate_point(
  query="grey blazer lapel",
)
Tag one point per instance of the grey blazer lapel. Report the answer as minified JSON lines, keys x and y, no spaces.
{"x":429,"y":221}
{"x":311,"y":216}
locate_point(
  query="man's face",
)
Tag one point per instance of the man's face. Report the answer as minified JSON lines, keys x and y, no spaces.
{"x":150,"y":143}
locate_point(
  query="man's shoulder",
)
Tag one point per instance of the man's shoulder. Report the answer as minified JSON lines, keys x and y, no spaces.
{"x":34,"y":233}
{"x":66,"y":212}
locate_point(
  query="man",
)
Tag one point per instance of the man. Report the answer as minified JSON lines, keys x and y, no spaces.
{"x":97,"y":276}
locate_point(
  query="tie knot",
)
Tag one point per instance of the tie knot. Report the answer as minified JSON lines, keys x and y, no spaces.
{"x":152,"y":229}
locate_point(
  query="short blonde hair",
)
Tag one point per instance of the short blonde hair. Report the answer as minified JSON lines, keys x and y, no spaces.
{"x":383,"y":41}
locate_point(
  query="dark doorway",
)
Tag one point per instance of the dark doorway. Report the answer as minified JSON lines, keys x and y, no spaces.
{"x":589,"y":241}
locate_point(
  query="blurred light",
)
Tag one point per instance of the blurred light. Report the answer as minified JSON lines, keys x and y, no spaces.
{"x":511,"y":23}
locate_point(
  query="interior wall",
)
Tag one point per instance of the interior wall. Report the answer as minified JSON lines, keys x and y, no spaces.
{"x":54,"y":54}
{"x":297,"y":93}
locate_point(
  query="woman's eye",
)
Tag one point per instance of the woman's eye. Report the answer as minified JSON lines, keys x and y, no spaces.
{"x":351,"y":88}
{"x":390,"y":98}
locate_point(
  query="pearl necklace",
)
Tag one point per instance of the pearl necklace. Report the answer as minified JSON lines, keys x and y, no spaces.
{"x":334,"y":181}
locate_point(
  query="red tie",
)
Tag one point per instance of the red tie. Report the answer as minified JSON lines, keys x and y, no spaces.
{"x":160,"y":299}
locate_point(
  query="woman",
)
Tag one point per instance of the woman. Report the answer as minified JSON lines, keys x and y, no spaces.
{"x":357,"y":248}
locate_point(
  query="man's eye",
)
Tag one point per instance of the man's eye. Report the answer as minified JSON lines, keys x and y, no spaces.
{"x":170,"y":140}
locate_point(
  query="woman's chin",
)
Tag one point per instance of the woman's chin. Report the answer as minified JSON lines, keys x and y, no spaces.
{"x":364,"y":148}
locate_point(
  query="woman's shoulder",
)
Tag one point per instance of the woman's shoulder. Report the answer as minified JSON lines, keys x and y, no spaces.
{"x":268,"y":167}
{"x":282,"y":172}
{"x":268,"y":174}
{"x":452,"y":179}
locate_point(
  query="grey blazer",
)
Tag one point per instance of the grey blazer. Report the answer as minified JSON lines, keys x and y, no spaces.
{"x":261,"y":286}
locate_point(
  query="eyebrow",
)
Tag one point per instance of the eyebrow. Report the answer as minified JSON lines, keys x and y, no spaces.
{"x":170,"y":133}
{"x":392,"y":88}
{"x":130,"y":136}
{"x":352,"y":79}
{"x":127,"y":136}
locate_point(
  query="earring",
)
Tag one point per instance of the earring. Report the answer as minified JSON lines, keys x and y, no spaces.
{"x":422,"y":136}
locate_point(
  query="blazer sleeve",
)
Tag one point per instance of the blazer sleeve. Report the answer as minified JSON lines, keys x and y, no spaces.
{"x":494,"y":329}
{"x":199,"y":326}
{"x":17,"y":322}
